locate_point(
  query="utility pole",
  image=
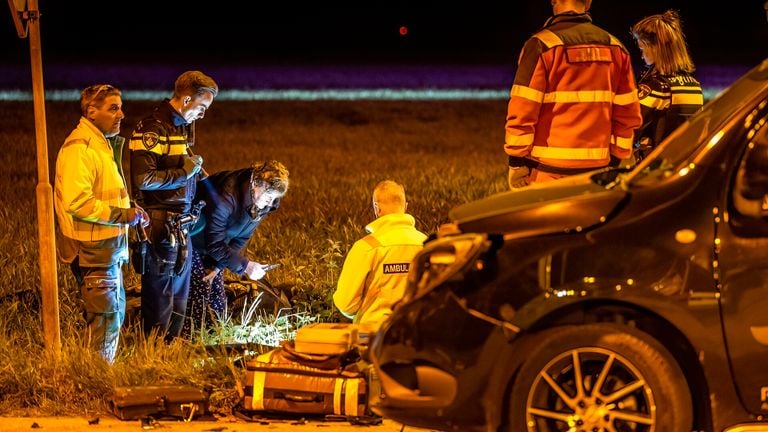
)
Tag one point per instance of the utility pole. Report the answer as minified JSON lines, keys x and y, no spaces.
{"x":26,"y":17}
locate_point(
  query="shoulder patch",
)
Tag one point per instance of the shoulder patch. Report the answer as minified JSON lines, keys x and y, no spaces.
{"x":394,"y":268}
{"x":150,"y":139}
{"x":643,"y":91}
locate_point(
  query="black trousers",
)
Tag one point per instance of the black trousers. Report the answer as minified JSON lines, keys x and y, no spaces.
{"x":164,"y":292}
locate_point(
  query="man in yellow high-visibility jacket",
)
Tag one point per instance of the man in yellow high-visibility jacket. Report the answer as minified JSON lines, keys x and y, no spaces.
{"x":375,"y":271}
{"x":93,"y":212}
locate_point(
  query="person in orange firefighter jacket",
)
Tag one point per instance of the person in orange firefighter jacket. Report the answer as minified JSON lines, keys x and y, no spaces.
{"x":573,"y":106}
{"x":163,"y":181}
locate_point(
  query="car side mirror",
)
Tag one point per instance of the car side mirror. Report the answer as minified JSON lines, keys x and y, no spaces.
{"x":765,"y":6}
{"x":751,"y":191}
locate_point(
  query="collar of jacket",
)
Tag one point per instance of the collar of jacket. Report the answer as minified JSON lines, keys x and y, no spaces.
{"x":116,"y":142}
{"x":167,"y":113}
{"x":649,"y":72}
{"x":389,"y":220}
{"x":95,"y":132}
{"x":568,"y":16}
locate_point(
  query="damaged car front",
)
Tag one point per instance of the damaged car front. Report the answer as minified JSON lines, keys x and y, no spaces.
{"x":587,"y":303}
{"x":465,"y":293}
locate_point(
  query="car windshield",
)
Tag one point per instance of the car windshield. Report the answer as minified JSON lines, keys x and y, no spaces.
{"x":699,"y":135}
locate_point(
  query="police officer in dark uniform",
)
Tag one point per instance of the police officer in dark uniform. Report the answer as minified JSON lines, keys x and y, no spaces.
{"x":164,"y":173}
{"x":668,"y":91}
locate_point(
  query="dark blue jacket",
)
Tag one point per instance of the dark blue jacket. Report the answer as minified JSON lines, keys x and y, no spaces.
{"x":227,"y":220}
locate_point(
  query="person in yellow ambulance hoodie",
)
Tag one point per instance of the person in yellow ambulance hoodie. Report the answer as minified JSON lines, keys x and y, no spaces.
{"x":94,"y":212}
{"x":375,"y":271}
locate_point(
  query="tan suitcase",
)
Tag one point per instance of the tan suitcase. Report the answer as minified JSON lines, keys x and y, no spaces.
{"x":275,"y":383}
{"x":326,"y":338}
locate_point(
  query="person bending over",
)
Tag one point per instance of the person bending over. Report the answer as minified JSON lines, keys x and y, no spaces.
{"x":236,"y":203}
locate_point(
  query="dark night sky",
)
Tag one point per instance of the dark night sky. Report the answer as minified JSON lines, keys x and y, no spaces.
{"x":456,"y":31}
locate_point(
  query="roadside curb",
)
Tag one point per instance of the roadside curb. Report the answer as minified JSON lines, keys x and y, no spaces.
{"x":110,"y":423}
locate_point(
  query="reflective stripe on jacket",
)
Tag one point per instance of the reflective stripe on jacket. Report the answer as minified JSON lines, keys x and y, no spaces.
{"x":574,"y":102}
{"x":666,"y":102}
{"x":158,"y":149}
{"x":375,"y":271}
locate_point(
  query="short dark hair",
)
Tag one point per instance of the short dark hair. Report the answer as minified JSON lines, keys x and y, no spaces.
{"x":95,"y":95}
{"x":194,"y":83}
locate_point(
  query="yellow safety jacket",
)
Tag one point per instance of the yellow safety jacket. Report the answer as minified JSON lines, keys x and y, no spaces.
{"x":88,"y":187}
{"x":375,"y":271}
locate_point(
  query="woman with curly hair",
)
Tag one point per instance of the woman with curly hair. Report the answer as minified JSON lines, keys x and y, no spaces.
{"x":236,"y":202}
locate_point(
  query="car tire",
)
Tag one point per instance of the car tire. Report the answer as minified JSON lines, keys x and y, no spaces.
{"x":641,"y":386}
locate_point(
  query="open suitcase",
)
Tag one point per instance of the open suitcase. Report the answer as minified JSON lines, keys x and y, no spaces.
{"x":180,"y":401}
{"x":276,"y":382}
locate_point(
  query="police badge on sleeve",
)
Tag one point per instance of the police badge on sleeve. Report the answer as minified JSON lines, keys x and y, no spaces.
{"x":643,"y":91}
{"x":150,"y":140}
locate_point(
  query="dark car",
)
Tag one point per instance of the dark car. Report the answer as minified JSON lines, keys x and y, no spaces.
{"x":617,"y":300}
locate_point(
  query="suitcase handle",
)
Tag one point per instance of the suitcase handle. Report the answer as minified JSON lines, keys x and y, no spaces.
{"x":303,"y":398}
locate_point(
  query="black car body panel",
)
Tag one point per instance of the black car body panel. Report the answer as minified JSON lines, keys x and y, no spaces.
{"x":665,"y":251}
{"x":540,"y":211}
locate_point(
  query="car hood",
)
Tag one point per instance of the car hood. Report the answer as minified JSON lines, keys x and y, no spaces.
{"x":571,"y":204}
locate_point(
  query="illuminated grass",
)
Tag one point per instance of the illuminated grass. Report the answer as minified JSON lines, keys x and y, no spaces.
{"x":444,"y":152}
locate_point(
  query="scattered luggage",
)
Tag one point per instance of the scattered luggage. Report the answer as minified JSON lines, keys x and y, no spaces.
{"x":179,"y":401}
{"x":283,"y":380}
{"x":323,"y":372}
{"x":326,"y":338}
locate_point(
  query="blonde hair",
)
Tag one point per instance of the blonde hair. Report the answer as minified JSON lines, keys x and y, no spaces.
{"x":389,"y":196}
{"x":663,"y":35}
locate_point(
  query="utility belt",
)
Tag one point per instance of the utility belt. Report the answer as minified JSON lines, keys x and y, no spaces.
{"x":171,"y":254}
{"x":177,"y":225}
{"x":167,"y":215}
{"x":532,"y":164}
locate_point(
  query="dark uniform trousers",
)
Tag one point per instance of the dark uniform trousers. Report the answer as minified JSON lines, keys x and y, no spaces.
{"x":164,"y":292}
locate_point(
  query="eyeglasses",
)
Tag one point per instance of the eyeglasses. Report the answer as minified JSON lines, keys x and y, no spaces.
{"x":94,"y":92}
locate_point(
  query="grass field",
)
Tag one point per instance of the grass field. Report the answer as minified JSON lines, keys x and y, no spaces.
{"x":445,"y":153}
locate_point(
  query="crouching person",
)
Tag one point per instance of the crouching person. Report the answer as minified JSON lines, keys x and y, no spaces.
{"x":375,"y":271}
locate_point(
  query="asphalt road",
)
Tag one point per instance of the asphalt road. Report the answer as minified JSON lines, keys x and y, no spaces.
{"x":226,"y":424}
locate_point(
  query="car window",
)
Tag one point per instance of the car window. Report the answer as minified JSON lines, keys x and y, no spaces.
{"x":749,"y":194}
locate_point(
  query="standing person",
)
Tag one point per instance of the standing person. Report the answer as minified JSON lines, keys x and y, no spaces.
{"x":164,"y":175}
{"x":668,"y":91}
{"x":93,"y":212}
{"x":573,"y":106}
{"x":236,"y":203}
{"x":375,"y":271}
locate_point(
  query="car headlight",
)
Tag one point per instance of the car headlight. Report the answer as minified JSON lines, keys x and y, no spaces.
{"x":444,"y":259}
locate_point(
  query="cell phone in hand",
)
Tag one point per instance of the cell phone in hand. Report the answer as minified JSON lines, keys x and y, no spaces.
{"x":269,"y":267}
